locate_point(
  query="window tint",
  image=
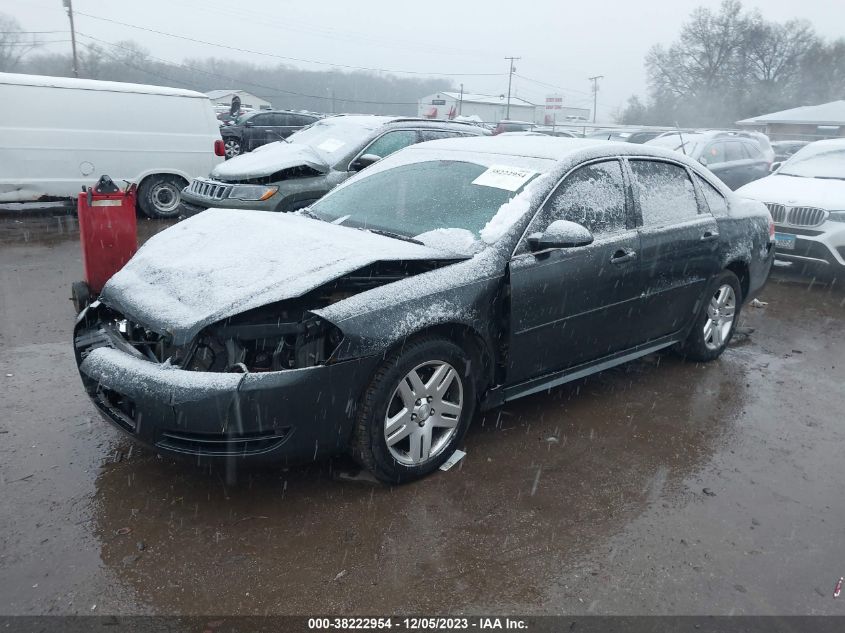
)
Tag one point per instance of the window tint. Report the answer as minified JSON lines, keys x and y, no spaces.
{"x":734,"y":151}
{"x":593,"y":196}
{"x":752,"y":151}
{"x":715,"y":153}
{"x":666,"y":192}
{"x":300,"y":119}
{"x":433,"y":135}
{"x":280,"y":120}
{"x":391,"y":142}
{"x":262,"y":119}
{"x":715,"y":200}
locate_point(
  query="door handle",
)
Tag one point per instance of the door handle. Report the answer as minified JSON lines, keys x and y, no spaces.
{"x":709,"y":236}
{"x":623,"y":256}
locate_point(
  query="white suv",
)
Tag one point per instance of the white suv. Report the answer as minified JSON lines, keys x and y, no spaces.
{"x":806,"y":197}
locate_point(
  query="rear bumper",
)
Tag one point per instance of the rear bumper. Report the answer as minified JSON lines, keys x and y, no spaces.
{"x":283,"y":417}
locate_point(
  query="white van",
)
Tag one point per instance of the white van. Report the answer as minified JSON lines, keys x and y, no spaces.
{"x":58,"y":134}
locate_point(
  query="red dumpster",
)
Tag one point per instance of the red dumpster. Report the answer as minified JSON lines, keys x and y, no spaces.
{"x":108,"y":234}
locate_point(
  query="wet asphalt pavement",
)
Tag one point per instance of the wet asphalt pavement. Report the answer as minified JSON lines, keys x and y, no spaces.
{"x":659,"y":487}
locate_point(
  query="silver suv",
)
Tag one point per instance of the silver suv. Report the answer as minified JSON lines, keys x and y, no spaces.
{"x":292,"y":174}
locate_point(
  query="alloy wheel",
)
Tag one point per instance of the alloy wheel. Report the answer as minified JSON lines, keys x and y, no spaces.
{"x":720,"y":317}
{"x":232,"y":148}
{"x":423,"y":413}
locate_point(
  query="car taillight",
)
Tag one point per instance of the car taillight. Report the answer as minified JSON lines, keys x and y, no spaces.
{"x":219,"y":148}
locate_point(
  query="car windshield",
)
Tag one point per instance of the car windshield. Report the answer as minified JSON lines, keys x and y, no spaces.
{"x":335,"y":137}
{"x":417,"y":198}
{"x":812,"y":162}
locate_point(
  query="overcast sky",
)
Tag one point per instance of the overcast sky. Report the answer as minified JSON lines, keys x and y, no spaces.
{"x":561,"y":43}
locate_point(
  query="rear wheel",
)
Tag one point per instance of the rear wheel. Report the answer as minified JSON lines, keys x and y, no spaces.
{"x":415,"y":412}
{"x":160,"y":196}
{"x":232,"y":147}
{"x":716,"y":322}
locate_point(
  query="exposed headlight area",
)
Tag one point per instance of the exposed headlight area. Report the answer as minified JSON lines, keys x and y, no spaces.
{"x":294,"y":339}
{"x":252,"y":192}
{"x":262,"y":346}
{"x":836,"y":216}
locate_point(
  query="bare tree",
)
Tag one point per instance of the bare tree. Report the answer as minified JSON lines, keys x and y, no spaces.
{"x":730,"y":64}
{"x":14,"y":43}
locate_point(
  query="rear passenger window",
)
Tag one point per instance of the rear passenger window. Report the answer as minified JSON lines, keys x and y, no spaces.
{"x":715,"y":200}
{"x":714,"y":154}
{"x":733,"y":151}
{"x":752,"y":151}
{"x":666,"y":192}
{"x":434,"y":135}
{"x":593,"y":196}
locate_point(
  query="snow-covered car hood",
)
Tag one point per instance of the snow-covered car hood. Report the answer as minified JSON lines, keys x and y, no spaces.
{"x":269,"y":159}
{"x":796,"y":191}
{"x":224,"y":261}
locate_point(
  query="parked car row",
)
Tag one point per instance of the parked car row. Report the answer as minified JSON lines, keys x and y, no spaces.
{"x":736,"y":159}
{"x":294,"y":174}
{"x":453,"y":275}
{"x":252,"y":130}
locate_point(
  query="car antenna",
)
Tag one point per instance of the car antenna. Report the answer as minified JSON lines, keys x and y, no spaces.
{"x":683,"y":145}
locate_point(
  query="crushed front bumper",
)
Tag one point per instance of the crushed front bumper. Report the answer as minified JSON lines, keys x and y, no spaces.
{"x":283,"y":417}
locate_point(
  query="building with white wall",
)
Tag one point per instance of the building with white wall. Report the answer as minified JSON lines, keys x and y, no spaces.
{"x":248,"y":100}
{"x":491,"y":109}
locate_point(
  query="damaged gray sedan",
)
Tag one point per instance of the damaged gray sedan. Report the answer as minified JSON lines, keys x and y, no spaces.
{"x":453,"y":275}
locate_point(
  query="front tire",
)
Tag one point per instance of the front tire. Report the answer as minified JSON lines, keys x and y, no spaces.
{"x":416,"y":410}
{"x":160,"y":196}
{"x":716,"y":321}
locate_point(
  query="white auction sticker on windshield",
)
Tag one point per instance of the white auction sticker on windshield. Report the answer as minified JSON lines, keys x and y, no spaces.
{"x":331,"y":145}
{"x":504,"y":177}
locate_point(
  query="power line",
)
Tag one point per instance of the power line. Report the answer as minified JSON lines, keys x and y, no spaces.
{"x":284,"y":57}
{"x":30,"y":32}
{"x":275,"y":91}
{"x":548,"y":85}
{"x":35,"y":43}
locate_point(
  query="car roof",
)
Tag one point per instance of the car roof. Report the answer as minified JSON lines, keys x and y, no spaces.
{"x":830,"y":143}
{"x":542,"y":146}
{"x":254,"y":112}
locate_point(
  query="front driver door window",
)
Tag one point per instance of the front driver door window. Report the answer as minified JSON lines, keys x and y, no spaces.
{"x":565,"y":301}
{"x":391,"y":142}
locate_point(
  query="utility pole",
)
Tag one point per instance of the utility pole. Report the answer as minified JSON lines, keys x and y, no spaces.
{"x":595,"y":81}
{"x":461,"y":101}
{"x":69,"y":6}
{"x":510,"y":80}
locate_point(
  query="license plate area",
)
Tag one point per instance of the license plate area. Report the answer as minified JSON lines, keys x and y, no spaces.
{"x":785,"y":241}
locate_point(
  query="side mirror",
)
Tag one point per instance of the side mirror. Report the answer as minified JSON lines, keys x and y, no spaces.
{"x":248,"y":124}
{"x":560,"y":234}
{"x":775,"y":166}
{"x":364,"y":161}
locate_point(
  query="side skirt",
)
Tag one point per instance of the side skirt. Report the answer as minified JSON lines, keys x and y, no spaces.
{"x":499,"y":395}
